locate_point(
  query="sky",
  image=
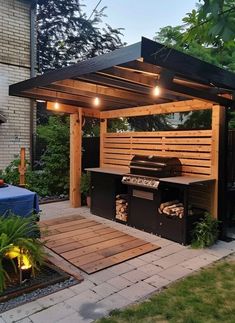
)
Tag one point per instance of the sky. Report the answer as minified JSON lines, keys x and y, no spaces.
{"x":142,"y":17}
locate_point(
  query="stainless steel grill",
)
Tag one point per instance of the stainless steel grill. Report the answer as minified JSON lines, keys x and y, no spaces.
{"x":145,"y":171}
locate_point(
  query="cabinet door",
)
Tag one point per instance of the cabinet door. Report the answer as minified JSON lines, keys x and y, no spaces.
{"x":171,"y":228}
{"x":103,"y":195}
{"x":142,"y":212}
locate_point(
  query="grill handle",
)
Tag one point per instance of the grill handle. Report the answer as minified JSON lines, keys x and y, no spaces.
{"x":146,"y":168}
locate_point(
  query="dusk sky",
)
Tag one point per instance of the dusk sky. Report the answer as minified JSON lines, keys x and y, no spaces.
{"x":142,"y":18}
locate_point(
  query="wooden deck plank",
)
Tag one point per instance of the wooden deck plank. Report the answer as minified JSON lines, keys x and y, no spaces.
{"x":95,"y":266}
{"x":84,"y":260}
{"x":101,"y":238}
{"x":74,"y":232}
{"x":81,"y":242}
{"x":84,"y":235}
{"x":68,"y":224}
{"x":90,"y":245}
{"x":96,"y":247}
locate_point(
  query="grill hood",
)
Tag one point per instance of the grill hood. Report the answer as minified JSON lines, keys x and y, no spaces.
{"x":155,"y":166}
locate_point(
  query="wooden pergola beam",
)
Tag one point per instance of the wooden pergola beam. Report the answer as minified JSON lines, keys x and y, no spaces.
{"x":91,"y":95}
{"x":105,"y":91}
{"x":75,"y":157}
{"x":180,"y":106}
{"x":70,"y":109}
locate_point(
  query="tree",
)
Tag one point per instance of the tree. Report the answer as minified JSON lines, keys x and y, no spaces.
{"x":220,"y":53}
{"x":212,"y":23}
{"x":66,"y":35}
{"x":176,"y":37}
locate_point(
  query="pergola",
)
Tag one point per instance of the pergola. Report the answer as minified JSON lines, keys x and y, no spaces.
{"x":123,"y":80}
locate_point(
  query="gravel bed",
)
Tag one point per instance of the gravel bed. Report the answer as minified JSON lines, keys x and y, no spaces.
{"x":53,"y":199}
{"x":40,"y":292}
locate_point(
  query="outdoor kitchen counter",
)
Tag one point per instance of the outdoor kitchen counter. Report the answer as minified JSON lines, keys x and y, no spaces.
{"x":106,"y":184}
{"x":186,"y":180}
{"x":109,"y":170}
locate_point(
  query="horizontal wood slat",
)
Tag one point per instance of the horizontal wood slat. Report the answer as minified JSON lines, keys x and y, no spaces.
{"x":192,"y":147}
{"x":170,"y":134}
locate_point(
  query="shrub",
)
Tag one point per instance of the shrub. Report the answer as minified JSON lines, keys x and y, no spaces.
{"x":53,"y":177}
{"x":17,"y":240}
{"x":11,"y":172}
{"x":85,"y":184}
{"x":205,"y":232}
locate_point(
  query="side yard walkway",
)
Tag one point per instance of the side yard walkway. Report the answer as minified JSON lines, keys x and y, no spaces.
{"x":120,"y":285}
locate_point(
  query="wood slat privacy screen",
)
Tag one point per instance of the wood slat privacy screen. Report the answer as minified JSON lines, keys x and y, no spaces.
{"x":193,"y":148}
{"x":198,"y":150}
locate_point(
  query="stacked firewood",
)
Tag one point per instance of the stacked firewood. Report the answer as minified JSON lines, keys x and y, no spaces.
{"x":172,"y":208}
{"x":122,"y":207}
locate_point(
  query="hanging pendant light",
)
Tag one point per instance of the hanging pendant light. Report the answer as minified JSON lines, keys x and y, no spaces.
{"x":57,"y":106}
{"x":96,"y":100}
{"x":156,"y":89}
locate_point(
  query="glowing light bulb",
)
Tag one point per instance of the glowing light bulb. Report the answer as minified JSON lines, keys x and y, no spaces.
{"x":57,"y":106}
{"x":156,"y":90}
{"x":96,"y":101}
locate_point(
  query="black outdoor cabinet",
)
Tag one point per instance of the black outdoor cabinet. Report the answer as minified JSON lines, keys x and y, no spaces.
{"x":174,"y":228}
{"x":142,"y":209}
{"x":144,"y":212}
{"x":104,"y":188}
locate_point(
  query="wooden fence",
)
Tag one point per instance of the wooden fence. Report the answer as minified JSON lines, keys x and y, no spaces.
{"x":193,"y":148}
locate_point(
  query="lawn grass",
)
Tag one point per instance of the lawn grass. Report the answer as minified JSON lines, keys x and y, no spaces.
{"x":208,"y":296}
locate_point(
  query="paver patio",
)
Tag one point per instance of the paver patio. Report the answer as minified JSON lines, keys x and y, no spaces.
{"x":117,"y":286}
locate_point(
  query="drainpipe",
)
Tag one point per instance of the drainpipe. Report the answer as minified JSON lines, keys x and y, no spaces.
{"x":33,"y":8}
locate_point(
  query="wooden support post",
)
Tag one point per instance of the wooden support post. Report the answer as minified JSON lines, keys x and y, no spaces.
{"x":218,"y":115}
{"x":22,"y":166}
{"x":103,"y":130}
{"x":75,"y":157}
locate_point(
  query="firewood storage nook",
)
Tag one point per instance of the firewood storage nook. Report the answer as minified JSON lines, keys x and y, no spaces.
{"x":134,"y":183}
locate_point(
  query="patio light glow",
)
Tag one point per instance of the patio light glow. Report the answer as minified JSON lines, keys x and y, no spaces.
{"x":57,"y":106}
{"x":96,"y":101}
{"x":22,"y":258}
{"x":156,"y":90}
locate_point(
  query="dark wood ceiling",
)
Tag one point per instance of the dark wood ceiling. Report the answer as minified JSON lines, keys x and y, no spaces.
{"x":126,"y":78}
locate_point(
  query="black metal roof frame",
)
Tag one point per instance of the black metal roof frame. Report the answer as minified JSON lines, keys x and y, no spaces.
{"x":132,"y":69}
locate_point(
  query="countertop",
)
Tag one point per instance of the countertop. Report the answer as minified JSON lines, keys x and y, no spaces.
{"x":109,"y":170}
{"x":180,"y":180}
{"x":186,"y":180}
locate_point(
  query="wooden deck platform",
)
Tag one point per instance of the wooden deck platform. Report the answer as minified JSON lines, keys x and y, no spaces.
{"x":89,"y":245}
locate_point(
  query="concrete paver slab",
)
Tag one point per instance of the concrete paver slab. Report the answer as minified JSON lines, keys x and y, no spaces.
{"x":119,"y":282}
{"x":21,"y":312}
{"x":52,"y":314}
{"x":135,"y":275}
{"x":137,"y":291}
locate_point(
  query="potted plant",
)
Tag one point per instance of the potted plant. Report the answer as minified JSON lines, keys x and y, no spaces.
{"x":85,"y":187}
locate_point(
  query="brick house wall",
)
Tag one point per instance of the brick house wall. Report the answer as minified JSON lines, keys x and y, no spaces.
{"x":14,"y":67}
